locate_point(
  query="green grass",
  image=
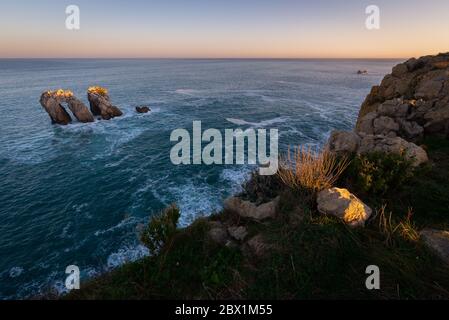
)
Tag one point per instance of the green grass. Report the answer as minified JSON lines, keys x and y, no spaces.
{"x":310,"y":257}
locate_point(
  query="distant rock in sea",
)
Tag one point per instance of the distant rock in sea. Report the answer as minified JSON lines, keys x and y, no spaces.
{"x":100,"y":104}
{"x":362,"y":72}
{"x":52,"y":101}
{"x":143,"y":109}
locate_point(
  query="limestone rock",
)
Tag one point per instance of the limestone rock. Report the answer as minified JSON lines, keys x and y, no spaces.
{"x":344,"y":205}
{"x":418,"y":91}
{"x":218,"y":233}
{"x":80,"y":110}
{"x":238,"y":233}
{"x":343,"y":141}
{"x":257,"y":245}
{"x":438,"y":241}
{"x":54,"y":109}
{"x":100,"y":104}
{"x":52,"y":101}
{"x":397,"y":145}
{"x":385,"y":126}
{"x":247,"y":209}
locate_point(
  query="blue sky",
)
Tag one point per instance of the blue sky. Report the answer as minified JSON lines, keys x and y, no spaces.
{"x":218,"y":28}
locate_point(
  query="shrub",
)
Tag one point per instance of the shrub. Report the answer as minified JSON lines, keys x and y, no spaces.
{"x":379,"y":173}
{"x":160,"y":228}
{"x":98,"y":90}
{"x":310,"y":170}
{"x":260,"y":189}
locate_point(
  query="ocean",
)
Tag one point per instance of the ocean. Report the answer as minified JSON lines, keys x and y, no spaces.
{"x":76,"y":194}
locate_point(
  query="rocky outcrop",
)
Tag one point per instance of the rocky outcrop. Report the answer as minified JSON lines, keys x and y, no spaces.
{"x":415,"y":96}
{"x":438,"y":241}
{"x":52,"y":101}
{"x":247,"y":209}
{"x":410,"y":103}
{"x":80,"y":110}
{"x":100,"y":104}
{"x":350,"y":142}
{"x":143,"y":109}
{"x":344,"y":205}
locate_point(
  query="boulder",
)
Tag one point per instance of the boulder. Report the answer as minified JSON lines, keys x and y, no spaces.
{"x":247,"y":209}
{"x":257,"y":246}
{"x":385,"y":126}
{"x":438,"y":241}
{"x":343,"y":141}
{"x":143,"y":109}
{"x":238,"y":233}
{"x":100,"y":104}
{"x":217,"y":233}
{"x":397,"y":145}
{"x":344,"y":205}
{"x":410,"y":130}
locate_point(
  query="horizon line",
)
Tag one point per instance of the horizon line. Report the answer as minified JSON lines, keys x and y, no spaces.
{"x":202,"y":58}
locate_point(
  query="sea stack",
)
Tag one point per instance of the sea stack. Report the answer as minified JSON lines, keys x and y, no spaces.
{"x":52,"y":101}
{"x":100,"y":104}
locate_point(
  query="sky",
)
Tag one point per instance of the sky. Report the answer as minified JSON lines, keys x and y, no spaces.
{"x":223,"y":29}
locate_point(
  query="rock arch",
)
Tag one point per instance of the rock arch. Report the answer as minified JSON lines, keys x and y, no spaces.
{"x":52,"y":101}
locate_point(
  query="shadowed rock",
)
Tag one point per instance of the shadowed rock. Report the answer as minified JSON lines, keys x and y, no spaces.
{"x":438,"y":241}
{"x":52,"y":101}
{"x":100,"y":104}
{"x":143,"y":109}
{"x":416,"y":91}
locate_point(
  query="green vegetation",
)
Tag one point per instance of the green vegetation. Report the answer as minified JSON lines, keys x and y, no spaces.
{"x":308,"y":255}
{"x":378,"y":173}
{"x":161,"y":228}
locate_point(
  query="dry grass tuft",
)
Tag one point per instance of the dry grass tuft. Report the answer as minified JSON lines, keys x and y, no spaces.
{"x":405,"y":228}
{"x":311,"y":170}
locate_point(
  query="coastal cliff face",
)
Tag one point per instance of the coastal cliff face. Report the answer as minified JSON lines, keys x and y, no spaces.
{"x":412,"y":100}
{"x":410,"y":103}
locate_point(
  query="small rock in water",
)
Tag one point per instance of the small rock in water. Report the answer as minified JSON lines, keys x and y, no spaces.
{"x":143,"y":109}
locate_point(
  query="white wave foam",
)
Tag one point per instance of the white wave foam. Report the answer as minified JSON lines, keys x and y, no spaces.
{"x":187,"y":92}
{"x":236,"y":177}
{"x":15,"y":272}
{"x":125,"y":222}
{"x":264,"y":123}
{"x":126,"y":254}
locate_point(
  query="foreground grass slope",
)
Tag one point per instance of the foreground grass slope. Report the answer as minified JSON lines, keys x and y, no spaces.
{"x":305,"y":255}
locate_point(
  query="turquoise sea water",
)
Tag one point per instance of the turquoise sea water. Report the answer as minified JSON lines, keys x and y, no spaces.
{"x":75,"y":194}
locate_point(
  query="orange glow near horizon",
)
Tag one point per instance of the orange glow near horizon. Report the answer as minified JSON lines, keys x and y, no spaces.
{"x":410,"y":30}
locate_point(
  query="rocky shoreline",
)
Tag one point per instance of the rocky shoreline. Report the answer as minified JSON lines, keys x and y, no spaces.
{"x":274,"y":234}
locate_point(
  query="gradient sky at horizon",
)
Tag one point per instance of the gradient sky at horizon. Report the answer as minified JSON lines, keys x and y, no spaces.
{"x":223,"y":29}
